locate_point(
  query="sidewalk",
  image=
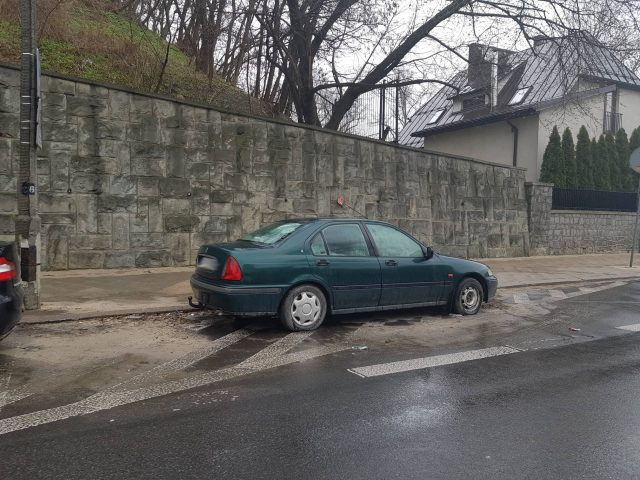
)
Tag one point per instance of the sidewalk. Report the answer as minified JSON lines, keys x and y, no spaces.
{"x":90,"y":293}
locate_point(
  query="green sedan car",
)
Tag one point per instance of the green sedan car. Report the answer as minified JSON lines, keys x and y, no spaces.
{"x":303,"y":269}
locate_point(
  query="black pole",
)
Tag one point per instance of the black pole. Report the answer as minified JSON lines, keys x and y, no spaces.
{"x":383,"y":113}
{"x":380,"y":115}
{"x":28,"y":222}
{"x":397,"y":106}
{"x":634,"y":243}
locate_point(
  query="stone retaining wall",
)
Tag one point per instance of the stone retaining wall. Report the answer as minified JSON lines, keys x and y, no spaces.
{"x":570,"y":232}
{"x":127,"y":179}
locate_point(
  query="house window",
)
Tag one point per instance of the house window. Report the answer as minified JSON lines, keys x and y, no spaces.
{"x":435,"y":116}
{"x":519,"y":96}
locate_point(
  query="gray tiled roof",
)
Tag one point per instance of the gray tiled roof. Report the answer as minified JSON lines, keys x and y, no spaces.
{"x":551,"y":70}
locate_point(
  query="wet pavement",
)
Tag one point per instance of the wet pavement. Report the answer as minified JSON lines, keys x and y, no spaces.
{"x":537,"y":388}
{"x":77,"y":294}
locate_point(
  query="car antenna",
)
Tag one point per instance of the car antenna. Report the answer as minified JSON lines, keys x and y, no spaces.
{"x":342,"y":204}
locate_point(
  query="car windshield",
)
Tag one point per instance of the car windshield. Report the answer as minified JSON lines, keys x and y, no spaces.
{"x":272,"y":233}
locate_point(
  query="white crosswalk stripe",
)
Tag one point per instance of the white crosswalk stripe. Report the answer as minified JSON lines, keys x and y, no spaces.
{"x":429,"y":362}
{"x":141,"y":387}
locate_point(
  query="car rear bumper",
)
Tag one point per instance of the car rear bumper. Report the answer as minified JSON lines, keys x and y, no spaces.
{"x":492,"y":287}
{"x":237,"y":300}
{"x":10,"y":313}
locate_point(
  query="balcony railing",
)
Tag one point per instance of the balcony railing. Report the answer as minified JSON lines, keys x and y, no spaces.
{"x":612,"y":122}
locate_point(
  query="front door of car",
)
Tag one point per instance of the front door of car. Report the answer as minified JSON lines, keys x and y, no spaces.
{"x":408,"y":277}
{"x":341,"y":256}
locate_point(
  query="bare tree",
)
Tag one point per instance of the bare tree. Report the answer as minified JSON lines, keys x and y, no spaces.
{"x":315,"y":58}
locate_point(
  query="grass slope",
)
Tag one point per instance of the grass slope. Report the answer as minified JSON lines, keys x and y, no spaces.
{"x":87,"y":39}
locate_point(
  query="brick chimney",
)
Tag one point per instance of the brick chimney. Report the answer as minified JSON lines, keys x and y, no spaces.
{"x":479,"y":69}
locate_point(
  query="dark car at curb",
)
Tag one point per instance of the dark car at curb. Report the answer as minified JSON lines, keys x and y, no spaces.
{"x":11,"y":297}
{"x":304,"y":269}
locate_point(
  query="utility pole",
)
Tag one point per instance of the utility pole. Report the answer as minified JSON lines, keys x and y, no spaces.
{"x":634,"y":163}
{"x":28,"y":222}
{"x":634,"y":242}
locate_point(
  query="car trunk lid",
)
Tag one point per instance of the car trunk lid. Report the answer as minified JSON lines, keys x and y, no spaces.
{"x":212,"y":258}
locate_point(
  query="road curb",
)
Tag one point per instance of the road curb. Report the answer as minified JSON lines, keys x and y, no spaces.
{"x":568,"y":282}
{"x":40,"y":318}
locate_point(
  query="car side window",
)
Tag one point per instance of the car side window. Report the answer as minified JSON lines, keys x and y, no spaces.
{"x":318,"y":247}
{"x":393,"y":243}
{"x":346,"y":240}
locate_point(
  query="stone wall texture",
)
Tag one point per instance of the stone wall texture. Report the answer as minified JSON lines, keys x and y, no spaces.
{"x":131,"y":180}
{"x":571,"y":232}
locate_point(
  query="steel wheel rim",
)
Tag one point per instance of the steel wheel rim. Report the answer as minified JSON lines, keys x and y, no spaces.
{"x":470,"y":298}
{"x":305,"y":309}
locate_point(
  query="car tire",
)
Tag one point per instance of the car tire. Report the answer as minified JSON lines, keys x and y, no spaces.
{"x":468,"y":297}
{"x":303,"y":308}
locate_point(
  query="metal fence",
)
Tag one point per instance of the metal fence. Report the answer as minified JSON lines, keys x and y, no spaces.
{"x":376,"y":114}
{"x":572,"y":199}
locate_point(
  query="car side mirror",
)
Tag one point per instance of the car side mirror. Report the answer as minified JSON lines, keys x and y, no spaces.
{"x":428,"y":252}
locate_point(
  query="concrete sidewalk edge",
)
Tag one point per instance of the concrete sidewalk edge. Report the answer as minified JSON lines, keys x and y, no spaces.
{"x":42,"y":317}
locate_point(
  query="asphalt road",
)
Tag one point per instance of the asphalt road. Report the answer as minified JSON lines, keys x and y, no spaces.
{"x":566,"y":408}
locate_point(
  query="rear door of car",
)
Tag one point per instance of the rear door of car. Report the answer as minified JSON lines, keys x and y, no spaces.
{"x":408,"y":277}
{"x":341,"y":255}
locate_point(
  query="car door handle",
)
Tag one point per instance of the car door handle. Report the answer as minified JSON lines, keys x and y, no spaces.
{"x":391,"y":263}
{"x":322,"y":263}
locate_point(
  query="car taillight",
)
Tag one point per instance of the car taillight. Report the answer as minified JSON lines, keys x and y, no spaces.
{"x":7,"y":270}
{"x":231,"y":270}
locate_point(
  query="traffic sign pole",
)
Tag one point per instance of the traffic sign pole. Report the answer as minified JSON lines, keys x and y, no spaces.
{"x":634,"y":245}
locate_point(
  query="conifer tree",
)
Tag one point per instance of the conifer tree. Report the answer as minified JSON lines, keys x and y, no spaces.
{"x":569,"y":160}
{"x":551,"y":170}
{"x":634,"y":142}
{"x":601,"y":171}
{"x":622,"y":149}
{"x":584,"y":167}
{"x":615,"y":175}
{"x":594,"y":161}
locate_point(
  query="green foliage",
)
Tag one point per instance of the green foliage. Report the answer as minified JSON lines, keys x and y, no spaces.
{"x":601,"y":170}
{"x":552,"y":170}
{"x":584,"y":160}
{"x":634,"y":143}
{"x":9,"y":34}
{"x":569,"y":160}
{"x":622,"y":149}
{"x":86,"y":39}
{"x":615,"y":174}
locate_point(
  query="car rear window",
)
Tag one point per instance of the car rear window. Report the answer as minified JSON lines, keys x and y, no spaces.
{"x":272,"y":233}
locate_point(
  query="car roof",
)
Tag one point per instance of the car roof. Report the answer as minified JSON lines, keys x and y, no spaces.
{"x":335,"y":219}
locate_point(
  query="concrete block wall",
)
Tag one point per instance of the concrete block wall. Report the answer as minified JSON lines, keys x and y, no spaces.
{"x":131,"y":180}
{"x":572,"y":232}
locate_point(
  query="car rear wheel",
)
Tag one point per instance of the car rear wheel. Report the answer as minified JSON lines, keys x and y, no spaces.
{"x":304,"y":308}
{"x":468,"y":297}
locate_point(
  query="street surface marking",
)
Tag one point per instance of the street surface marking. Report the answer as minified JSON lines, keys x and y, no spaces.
{"x":11,"y":396}
{"x":521,"y":298}
{"x":428,"y":362}
{"x":559,"y":294}
{"x":265,"y":357}
{"x":185,"y":361}
{"x":631,"y":328}
{"x":114,"y":397}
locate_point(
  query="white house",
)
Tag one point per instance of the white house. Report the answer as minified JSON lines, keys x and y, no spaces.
{"x":503,"y":107}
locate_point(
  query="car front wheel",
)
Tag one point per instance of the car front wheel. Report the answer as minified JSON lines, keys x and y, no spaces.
{"x":468,"y":297}
{"x":304,"y":308}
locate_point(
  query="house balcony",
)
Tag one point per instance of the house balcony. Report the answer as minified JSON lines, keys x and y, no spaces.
{"x":612,"y":122}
